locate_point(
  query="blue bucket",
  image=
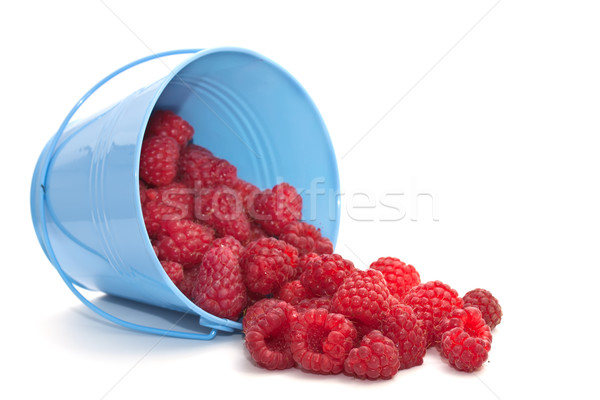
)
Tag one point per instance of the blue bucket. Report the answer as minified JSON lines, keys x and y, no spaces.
{"x":85,"y":200}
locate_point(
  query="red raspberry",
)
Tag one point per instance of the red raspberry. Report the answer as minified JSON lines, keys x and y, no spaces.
{"x":222,"y":208}
{"x":174,"y":271}
{"x":219,"y":288}
{"x":186,"y":242}
{"x":403,"y":327}
{"x":247,"y":192}
{"x":321,"y":341}
{"x":190,"y":276}
{"x":315,"y":302}
{"x":466,"y":339}
{"x":375,"y":358}
{"x":158,"y":160}
{"x":167,"y":123}
{"x":323,"y":274}
{"x":277,"y":207}
{"x":261,"y":307}
{"x":267,"y":264}
{"x":431,"y":302}
{"x":363,"y":297}
{"x":199,"y":168}
{"x":157,"y":214}
{"x":400,"y":277}
{"x":306,"y":238}
{"x":293,"y":292}
{"x":486,"y":303}
{"x":229,"y":242}
{"x":268,"y":338}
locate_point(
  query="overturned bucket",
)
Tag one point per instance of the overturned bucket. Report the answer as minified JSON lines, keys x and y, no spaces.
{"x":85,"y":200}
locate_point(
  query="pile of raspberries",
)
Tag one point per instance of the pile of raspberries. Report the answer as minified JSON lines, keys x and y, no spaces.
{"x":240,"y":252}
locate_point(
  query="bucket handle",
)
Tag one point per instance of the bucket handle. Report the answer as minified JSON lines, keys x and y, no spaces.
{"x":44,"y":229}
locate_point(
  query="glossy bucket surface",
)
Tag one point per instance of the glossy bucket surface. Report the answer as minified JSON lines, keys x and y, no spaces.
{"x":243,"y":107}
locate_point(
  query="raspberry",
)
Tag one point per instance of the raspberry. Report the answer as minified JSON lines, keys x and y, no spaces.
{"x":158,"y":160}
{"x":229,"y":242}
{"x":186,"y":286}
{"x":486,"y":303}
{"x":306,"y":238}
{"x":275,"y":208}
{"x":293,"y":292}
{"x":168,"y":124}
{"x":375,"y":358}
{"x":247,"y":192}
{"x":431,"y":302}
{"x":199,"y":168}
{"x":323,"y":274}
{"x":256,"y":233}
{"x":403,"y":327}
{"x":186,"y":242}
{"x":466,"y":339}
{"x":363,"y":297}
{"x":268,"y":338}
{"x":157,"y":214}
{"x":219,"y":288}
{"x":321,"y":341}
{"x":222,"y":208}
{"x":261,"y":307}
{"x":267,"y":264}
{"x":174,"y":271}
{"x":315,"y":302}
{"x":400,"y":277}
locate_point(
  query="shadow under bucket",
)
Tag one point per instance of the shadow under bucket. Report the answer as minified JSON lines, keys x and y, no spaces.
{"x":85,"y":200}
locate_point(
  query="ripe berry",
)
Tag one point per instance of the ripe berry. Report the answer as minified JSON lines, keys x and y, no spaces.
{"x":222,"y":208}
{"x":219,"y":287}
{"x":323,"y":274}
{"x":403,"y":327}
{"x":158,"y":160}
{"x":268,"y":338}
{"x":267,"y":264}
{"x":186,"y":242}
{"x":431,"y":302}
{"x":321,"y":341}
{"x":400,"y":277}
{"x":466,"y":339}
{"x":174,"y":271}
{"x":375,"y":358}
{"x":277,"y":207}
{"x":168,"y":124}
{"x":229,"y":242}
{"x":293,"y":292}
{"x":306,"y":238}
{"x":363,"y":297}
{"x":486,"y":303}
{"x":199,"y":168}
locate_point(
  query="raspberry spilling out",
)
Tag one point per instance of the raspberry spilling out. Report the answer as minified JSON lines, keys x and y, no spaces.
{"x":431,"y":302}
{"x":168,"y":124}
{"x":321,"y":341}
{"x":400,"y":277}
{"x":235,"y":250}
{"x":222,"y":208}
{"x":293,"y":292}
{"x":185,"y":242}
{"x":375,"y":358}
{"x":363,"y":297}
{"x":268,"y":338}
{"x":219,"y":287}
{"x":158,"y":160}
{"x":323,"y":274}
{"x":404,"y":329}
{"x":486,"y":303}
{"x":277,"y":207}
{"x":267,"y":264}
{"x":306,"y":238}
{"x":466,"y":339}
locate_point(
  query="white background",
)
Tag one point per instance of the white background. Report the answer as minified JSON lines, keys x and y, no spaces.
{"x":496,"y":118}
